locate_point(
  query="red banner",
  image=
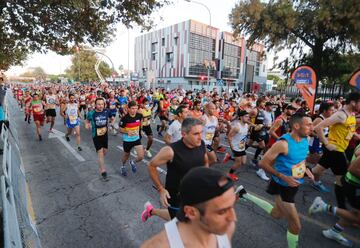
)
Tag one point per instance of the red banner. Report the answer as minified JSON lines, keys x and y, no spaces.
{"x":305,"y":80}
{"x":355,"y":79}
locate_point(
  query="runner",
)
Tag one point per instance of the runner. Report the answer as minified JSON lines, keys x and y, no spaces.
{"x":342,"y":126}
{"x":163,"y":115}
{"x":72,"y":115}
{"x":146,"y":112}
{"x":82,"y":103}
{"x":173,"y":133}
{"x":196,"y":112}
{"x":27,"y":102}
{"x":98,"y":119}
{"x":285,"y":160}
{"x":130,"y":128}
{"x":51,"y":101}
{"x":351,"y":185}
{"x":123,"y":101}
{"x":210,"y":123}
{"x":207,"y":216}
{"x":237,"y":139}
{"x":37,"y":107}
{"x":180,"y":157}
{"x":112,"y":105}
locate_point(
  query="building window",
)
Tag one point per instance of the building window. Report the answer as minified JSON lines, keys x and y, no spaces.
{"x":175,"y":41}
{"x":263,"y":68}
{"x":169,"y":57}
{"x":153,"y":56}
{"x":163,"y":41}
{"x":154,"y":47}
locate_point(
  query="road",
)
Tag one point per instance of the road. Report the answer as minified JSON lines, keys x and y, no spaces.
{"x":74,"y":208}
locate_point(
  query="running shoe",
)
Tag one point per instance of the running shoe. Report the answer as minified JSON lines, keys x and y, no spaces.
{"x":317,"y":206}
{"x":221,"y":149}
{"x":67,"y":138}
{"x":254,"y":162}
{"x":104,"y":177}
{"x":160,"y":134}
{"x":226,"y":158}
{"x":319,"y":186}
{"x":233,"y":176}
{"x":51,"y":131}
{"x":261,"y":173}
{"x":114,"y":131}
{"x":40,"y":138}
{"x":240,"y":191}
{"x":79,"y":149}
{"x":123,"y":171}
{"x":133,"y":166}
{"x":146,"y":214}
{"x":148,"y":153}
{"x":158,"y":128}
{"x":331,"y":234}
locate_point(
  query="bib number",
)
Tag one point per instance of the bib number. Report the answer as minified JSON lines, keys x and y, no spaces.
{"x":242,"y":146}
{"x":209,"y":136}
{"x":133,"y":133}
{"x":100,"y":131}
{"x":112,"y":106}
{"x":298,"y":170}
{"x":37,"y":110}
{"x":72,"y":119}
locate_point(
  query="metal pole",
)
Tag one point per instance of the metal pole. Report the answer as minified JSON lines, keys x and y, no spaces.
{"x":128,"y":56}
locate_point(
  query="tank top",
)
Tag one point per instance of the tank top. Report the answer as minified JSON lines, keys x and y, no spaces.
{"x":292,"y":164}
{"x":209,"y":129}
{"x":239,"y":140}
{"x":51,"y":100}
{"x":146,"y":116}
{"x":184,"y":159}
{"x":351,"y":178}
{"x":72,"y":112}
{"x":175,"y":241}
{"x":340,"y":134}
{"x":37,"y":107}
{"x":283,"y":129}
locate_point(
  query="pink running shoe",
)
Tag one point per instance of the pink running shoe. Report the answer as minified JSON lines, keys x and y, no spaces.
{"x":226,"y":158}
{"x":146,"y":214}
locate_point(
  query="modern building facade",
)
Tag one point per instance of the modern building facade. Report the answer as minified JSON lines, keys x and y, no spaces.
{"x":195,"y":55}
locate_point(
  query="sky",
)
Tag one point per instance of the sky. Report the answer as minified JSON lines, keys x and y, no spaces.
{"x":118,"y":52}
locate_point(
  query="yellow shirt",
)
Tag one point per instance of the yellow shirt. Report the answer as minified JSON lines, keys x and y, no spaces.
{"x":146,"y":116}
{"x":340,"y":134}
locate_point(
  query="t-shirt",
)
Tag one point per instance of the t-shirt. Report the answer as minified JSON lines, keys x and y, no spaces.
{"x":131,"y":126}
{"x":99,"y":122}
{"x":174,"y":131}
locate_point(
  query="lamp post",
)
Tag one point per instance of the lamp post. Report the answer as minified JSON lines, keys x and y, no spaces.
{"x":210,"y":59}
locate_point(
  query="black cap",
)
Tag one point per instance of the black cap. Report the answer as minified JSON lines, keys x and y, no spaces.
{"x":269,"y":104}
{"x":200,"y":185}
{"x":242,"y":112}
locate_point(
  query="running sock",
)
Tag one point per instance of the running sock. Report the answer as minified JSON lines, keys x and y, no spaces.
{"x":292,"y":239}
{"x":259,"y":202}
{"x":340,"y":197}
{"x":331,"y":209}
{"x":257,"y":153}
{"x":337,"y":228}
{"x":231,"y":171}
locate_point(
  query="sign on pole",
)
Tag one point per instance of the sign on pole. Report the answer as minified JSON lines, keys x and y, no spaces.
{"x":305,"y":80}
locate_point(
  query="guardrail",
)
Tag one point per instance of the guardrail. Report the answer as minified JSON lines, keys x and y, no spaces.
{"x":19,"y":230}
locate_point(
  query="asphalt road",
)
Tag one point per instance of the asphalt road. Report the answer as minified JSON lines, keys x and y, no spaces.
{"x":74,"y":208}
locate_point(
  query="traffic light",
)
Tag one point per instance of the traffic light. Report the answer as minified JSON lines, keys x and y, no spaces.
{"x":202,"y":77}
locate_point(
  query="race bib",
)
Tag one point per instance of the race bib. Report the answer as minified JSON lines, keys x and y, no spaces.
{"x":37,"y":109}
{"x":72,"y":119}
{"x":133,"y":133}
{"x":209,"y":136}
{"x":298,"y":170}
{"x":242,"y":145}
{"x":146,"y":122}
{"x":100,"y":131}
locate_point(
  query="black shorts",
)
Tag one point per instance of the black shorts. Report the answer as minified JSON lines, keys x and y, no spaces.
{"x":163,"y":118}
{"x":259,"y":136}
{"x":82,"y":107}
{"x":352,"y":193}
{"x":209,"y":148}
{"x":129,"y":145}
{"x":50,"y":113}
{"x":101,"y":142}
{"x":174,"y":202}
{"x":334,"y":160}
{"x":287,"y":194}
{"x":147,"y":130}
{"x":238,"y":154}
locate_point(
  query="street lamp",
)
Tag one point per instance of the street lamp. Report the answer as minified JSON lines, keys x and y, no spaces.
{"x":200,"y":3}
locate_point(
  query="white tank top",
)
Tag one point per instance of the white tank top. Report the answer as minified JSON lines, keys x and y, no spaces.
{"x":209,"y":129}
{"x":239,"y":140}
{"x":175,"y":241}
{"x":72,"y":112}
{"x":51,"y":100}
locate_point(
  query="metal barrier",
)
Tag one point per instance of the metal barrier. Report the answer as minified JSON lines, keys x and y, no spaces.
{"x":18,"y":228}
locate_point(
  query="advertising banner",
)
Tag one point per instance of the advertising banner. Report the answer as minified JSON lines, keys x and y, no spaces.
{"x":355,"y":79}
{"x":305,"y":80}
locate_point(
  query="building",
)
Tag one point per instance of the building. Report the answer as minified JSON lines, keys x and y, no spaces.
{"x":194,"y":55}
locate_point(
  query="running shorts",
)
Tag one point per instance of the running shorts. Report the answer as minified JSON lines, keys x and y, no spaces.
{"x":50,"y":113}
{"x":352,"y":193}
{"x":163,"y":118}
{"x":174,"y":202}
{"x":112,"y":113}
{"x":147,"y":130}
{"x":101,"y":142}
{"x":129,"y":145}
{"x":286,"y":193}
{"x":69,"y":125}
{"x":259,"y":136}
{"x":238,"y":154}
{"x":39,"y":118}
{"x":82,"y":107}
{"x":334,"y":160}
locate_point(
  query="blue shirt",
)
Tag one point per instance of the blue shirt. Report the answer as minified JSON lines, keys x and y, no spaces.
{"x":99,"y":122}
{"x":292,"y":164}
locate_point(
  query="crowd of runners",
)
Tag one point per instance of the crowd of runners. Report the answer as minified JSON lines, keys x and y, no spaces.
{"x":290,"y":143}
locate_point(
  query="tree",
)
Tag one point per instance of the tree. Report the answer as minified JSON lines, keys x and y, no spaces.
{"x":313,"y":29}
{"x":37,"y":72}
{"x":83,"y":65}
{"x":37,"y":26}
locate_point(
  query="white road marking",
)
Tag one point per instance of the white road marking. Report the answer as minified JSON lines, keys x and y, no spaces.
{"x":159,"y":140}
{"x":60,"y":136}
{"x":162,"y":171}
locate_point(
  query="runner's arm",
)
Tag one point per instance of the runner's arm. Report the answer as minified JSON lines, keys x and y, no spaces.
{"x":165,"y":155}
{"x":206,"y":160}
{"x":338,"y":117}
{"x":274,"y":128}
{"x":231,"y":135}
{"x":268,"y":161}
